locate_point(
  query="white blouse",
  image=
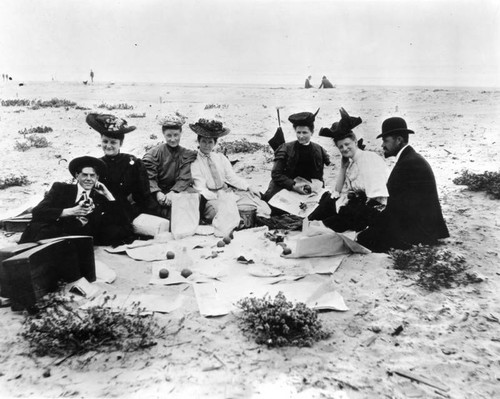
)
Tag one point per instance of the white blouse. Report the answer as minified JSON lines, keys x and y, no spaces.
{"x":366,"y":172}
{"x":200,"y":172}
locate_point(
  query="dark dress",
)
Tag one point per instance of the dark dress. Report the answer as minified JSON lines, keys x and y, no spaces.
{"x":106,"y":224}
{"x":128,"y":181}
{"x":413,"y":213}
{"x":292,"y":160}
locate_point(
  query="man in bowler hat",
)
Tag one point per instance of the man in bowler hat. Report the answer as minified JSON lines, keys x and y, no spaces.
{"x":84,"y":208}
{"x":413,"y":213}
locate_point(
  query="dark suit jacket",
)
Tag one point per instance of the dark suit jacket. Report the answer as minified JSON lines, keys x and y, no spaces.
{"x":413,"y":213}
{"x":47,"y":222}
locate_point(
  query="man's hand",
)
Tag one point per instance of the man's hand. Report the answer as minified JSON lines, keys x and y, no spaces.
{"x":299,"y":188}
{"x":79,"y":210}
{"x":103,"y":190}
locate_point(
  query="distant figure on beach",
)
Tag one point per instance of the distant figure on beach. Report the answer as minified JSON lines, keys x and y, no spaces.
{"x":308,"y":84}
{"x":92,"y":76}
{"x":325,"y":83}
{"x":413,"y":213}
{"x":3,"y":77}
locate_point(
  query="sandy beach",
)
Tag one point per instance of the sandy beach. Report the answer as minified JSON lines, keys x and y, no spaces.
{"x":451,"y":336}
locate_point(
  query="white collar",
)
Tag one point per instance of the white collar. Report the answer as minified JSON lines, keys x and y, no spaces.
{"x":80,"y":191}
{"x":399,"y":153}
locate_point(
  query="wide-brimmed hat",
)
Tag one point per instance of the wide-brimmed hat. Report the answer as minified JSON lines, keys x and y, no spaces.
{"x":303,"y":118}
{"x":109,"y":125}
{"x":210,"y":129}
{"x":173,"y":120}
{"x":86,"y":161}
{"x":393,"y":126}
{"x":342,"y":128}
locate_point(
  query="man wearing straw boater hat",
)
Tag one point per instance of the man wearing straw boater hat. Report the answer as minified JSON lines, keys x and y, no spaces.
{"x":169,"y":166}
{"x":84,"y":208}
{"x":212,"y":173}
{"x":413,"y":213}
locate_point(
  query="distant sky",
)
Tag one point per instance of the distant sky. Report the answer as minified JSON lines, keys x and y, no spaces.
{"x":404,"y":42}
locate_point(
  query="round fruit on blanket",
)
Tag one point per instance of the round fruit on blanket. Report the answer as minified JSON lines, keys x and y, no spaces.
{"x":170,"y":255}
{"x":163,"y":273}
{"x":227,"y":240}
{"x":221,"y":244}
{"x":186,"y":273}
{"x":287,"y":251}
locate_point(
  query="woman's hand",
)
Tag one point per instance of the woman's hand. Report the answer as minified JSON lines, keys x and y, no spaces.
{"x":299,"y":188}
{"x":103,"y":190}
{"x":254,"y":191}
{"x":164,"y":199}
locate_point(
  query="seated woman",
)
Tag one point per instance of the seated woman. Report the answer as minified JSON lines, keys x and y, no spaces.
{"x":360,"y":191}
{"x":126,"y":175}
{"x":84,"y":208}
{"x":297,"y":159}
{"x":169,"y":166}
{"x":212,"y":173}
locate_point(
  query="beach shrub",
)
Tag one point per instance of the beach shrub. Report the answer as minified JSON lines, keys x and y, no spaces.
{"x":432,"y":267}
{"x":111,"y":107}
{"x":153,"y":136}
{"x":134,"y":115}
{"x":216,"y":106}
{"x":53,"y":103}
{"x":18,"y":102}
{"x":278,"y":322}
{"x":80,"y":108}
{"x":241,"y":146}
{"x":60,"y":328}
{"x":37,"y":129}
{"x":487,"y":181}
{"x":13,"y":180}
{"x":32,"y":140}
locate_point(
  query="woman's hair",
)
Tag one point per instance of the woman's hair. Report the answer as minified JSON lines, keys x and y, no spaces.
{"x":200,"y":137}
{"x":119,"y":136}
{"x":349,"y":135}
{"x":309,"y":125}
{"x":163,"y":128}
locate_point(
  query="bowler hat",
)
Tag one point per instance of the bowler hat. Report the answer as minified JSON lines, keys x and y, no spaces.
{"x":303,"y":118}
{"x":109,"y":125}
{"x":210,"y":129}
{"x":394,"y":125}
{"x":79,"y":163}
{"x":342,"y":128}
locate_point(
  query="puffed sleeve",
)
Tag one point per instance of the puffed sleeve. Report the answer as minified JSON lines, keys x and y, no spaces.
{"x":375,"y":175}
{"x":230,"y":175}
{"x":279,"y":168}
{"x":152,"y":162}
{"x":141,"y":190}
{"x":184,"y":179}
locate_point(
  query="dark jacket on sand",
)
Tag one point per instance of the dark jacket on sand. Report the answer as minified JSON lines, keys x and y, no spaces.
{"x":413,"y":213}
{"x":107,"y":223}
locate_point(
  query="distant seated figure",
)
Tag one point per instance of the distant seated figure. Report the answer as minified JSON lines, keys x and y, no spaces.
{"x":308,"y":84}
{"x":169,"y":166}
{"x":212,"y":173}
{"x":301,"y":158}
{"x":325,"y":83}
{"x":413,"y":213}
{"x":84,"y":208}
{"x":360,"y":192}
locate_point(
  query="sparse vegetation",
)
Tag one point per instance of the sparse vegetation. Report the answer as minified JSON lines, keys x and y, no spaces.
{"x":153,"y":136}
{"x":60,"y":328}
{"x":134,"y":115}
{"x":111,"y":107}
{"x":433,"y":267}
{"x":278,"y":322}
{"x":18,"y":102}
{"x":216,"y":106}
{"x":487,"y":181}
{"x":241,"y":146}
{"x":32,"y":140}
{"x":37,"y":129}
{"x":53,"y":103}
{"x":13,"y":180}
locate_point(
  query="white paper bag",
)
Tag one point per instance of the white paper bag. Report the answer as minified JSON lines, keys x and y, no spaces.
{"x":228,"y":216}
{"x":185,"y":214}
